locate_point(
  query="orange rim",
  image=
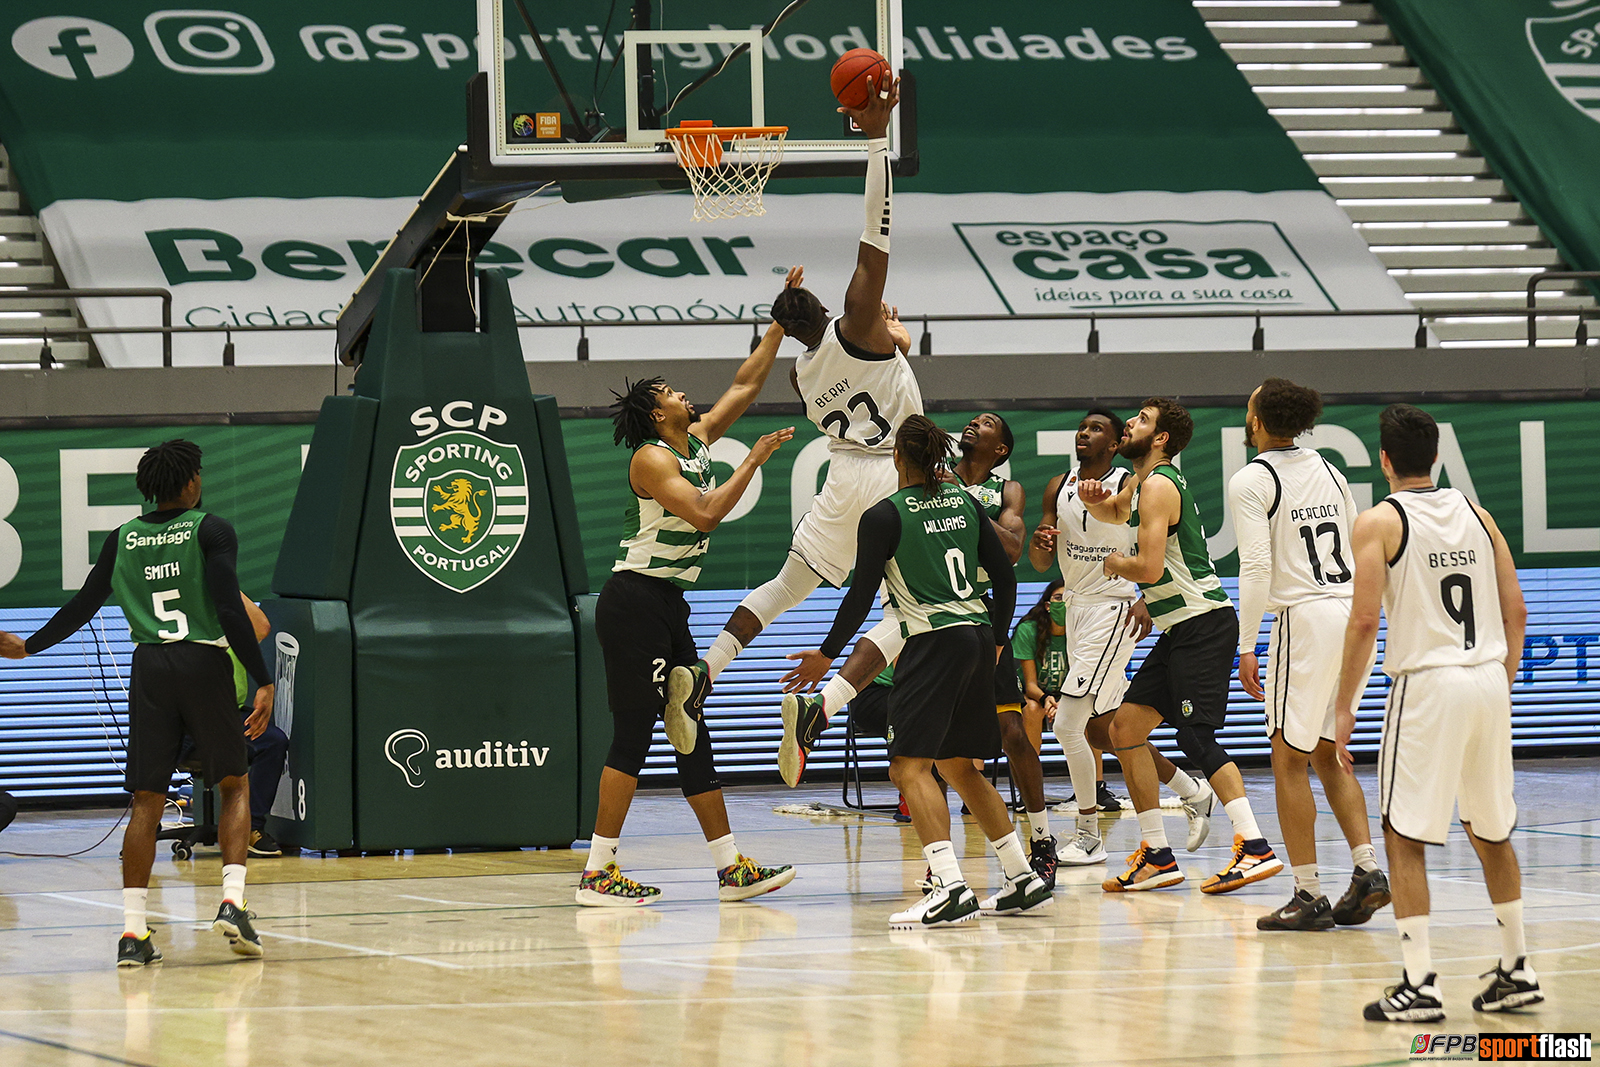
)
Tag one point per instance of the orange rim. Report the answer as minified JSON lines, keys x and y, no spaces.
{"x":724,"y":133}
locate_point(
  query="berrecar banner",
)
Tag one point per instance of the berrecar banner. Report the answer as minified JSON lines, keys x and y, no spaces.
{"x":1523,"y":79}
{"x":1098,"y":156}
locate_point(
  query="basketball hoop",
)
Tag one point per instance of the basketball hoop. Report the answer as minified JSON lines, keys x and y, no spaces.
{"x":727,"y":166}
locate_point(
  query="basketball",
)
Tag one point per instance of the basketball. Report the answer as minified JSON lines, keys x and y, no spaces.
{"x":858,"y":72}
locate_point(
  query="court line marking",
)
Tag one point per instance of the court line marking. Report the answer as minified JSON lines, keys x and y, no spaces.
{"x":72,"y":1048}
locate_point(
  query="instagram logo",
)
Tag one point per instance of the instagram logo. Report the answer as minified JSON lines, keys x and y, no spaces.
{"x":208,"y":42}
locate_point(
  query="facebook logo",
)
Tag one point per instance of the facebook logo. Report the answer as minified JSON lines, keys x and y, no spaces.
{"x":71,"y":47}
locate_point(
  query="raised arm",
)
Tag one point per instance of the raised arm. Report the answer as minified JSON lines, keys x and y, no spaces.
{"x":1513,"y":609}
{"x":1042,"y":545}
{"x":1373,"y":541}
{"x":655,"y":473}
{"x":863,"y":321}
{"x":1250,"y":493}
{"x":1159,"y":503}
{"x":1009,"y":526}
{"x":747,"y":385}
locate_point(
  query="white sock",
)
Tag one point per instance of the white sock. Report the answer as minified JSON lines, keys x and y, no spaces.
{"x":1305,"y":877}
{"x":722,"y":652}
{"x":133,"y":902}
{"x":1151,"y":830}
{"x":1244,"y":821}
{"x":233,"y":883}
{"x":1513,"y":943}
{"x":1089,"y":824}
{"x":836,"y":694}
{"x":1038,"y":825}
{"x":1414,"y":948}
{"x":1365,"y":857}
{"x":724,"y":851}
{"x":1183,"y":785}
{"x":1013,"y":860}
{"x":602,"y":850}
{"x":941,"y":856}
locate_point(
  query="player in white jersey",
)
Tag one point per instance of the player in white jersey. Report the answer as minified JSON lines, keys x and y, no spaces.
{"x":1448,"y":586}
{"x":1104,"y":618}
{"x":1292,"y":512}
{"x":858,"y":388}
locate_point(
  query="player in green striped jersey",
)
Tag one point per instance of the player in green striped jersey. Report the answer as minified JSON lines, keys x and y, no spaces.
{"x":1185,"y":678}
{"x":642,"y":618}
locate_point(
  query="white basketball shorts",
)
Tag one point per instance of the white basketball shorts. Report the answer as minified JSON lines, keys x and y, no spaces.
{"x":1099,"y":644}
{"x":1301,"y":673}
{"x":825,"y":539}
{"x":1447,"y":744}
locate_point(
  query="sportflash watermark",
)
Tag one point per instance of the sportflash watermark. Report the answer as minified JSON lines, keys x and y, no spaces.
{"x":1568,"y":1048}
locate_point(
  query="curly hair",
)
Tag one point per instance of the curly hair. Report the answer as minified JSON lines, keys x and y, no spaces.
{"x":1172,"y":419}
{"x":164,"y":470}
{"x":926,"y":447}
{"x":632,"y":413}
{"x":1286,"y":409}
{"x":1410,"y":437}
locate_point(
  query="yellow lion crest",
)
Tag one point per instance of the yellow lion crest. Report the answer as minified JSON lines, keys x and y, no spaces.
{"x":461,"y":501}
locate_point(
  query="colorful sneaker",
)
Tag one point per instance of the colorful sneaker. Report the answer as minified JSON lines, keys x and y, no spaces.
{"x":1405,"y":1003}
{"x":1025,"y":894}
{"x":745,"y":879}
{"x":803,"y":722}
{"x":233,"y":922}
{"x":1042,"y":858}
{"x":1303,"y":912}
{"x":1148,"y":868}
{"x":1252,"y":861}
{"x":1516,"y":988}
{"x":1197,"y":810}
{"x":1083,"y":850}
{"x":1104,"y":799}
{"x":1368,"y":892}
{"x":141,"y":951}
{"x":942,"y":905}
{"x":610,"y":888}
{"x":686,"y":697}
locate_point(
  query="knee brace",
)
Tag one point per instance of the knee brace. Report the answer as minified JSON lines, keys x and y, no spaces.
{"x":1199,"y":743}
{"x":886,"y":635}
{"x":793,"y":583}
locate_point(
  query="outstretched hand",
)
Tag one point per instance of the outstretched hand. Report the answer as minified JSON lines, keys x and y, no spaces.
{"x":767,"y":444}
{"x":12,"y":646}
{"x":810,"y":671}
{"x":873,"y":116}
{"x":796,"y":277}
{"x":897,"y":329}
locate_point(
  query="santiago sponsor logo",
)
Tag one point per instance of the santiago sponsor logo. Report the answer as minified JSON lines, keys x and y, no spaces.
{"x":408,"y":751}
{"x":1568,"y":48}
{"x":1059,"y":266}
{"x":458,"y":500}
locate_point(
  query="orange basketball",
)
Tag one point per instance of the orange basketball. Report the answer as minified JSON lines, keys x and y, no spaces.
{"x":859,"y":72}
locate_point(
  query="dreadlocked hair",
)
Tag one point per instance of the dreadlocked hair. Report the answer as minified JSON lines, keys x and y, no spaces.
{"x":165,"y":469}
{"x":632,"y":413}
{"x":1039,"y":615}
{"x":925,"y":447}
{"x":798,"y":311}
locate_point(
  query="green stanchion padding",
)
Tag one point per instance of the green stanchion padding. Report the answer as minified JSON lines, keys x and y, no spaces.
{"x":465,"y":653}
{"x":562,"y":503}
{"x":309,"y":654}
{"x":594,"y":713}
{"x":319,"y":543}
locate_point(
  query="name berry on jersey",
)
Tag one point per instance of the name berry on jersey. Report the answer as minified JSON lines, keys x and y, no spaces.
{"x":837,"y":389}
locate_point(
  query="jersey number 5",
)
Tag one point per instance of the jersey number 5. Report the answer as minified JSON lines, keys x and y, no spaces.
{"x":180,"y":621}
{"x":837,"y":424}
{"x":1450,"y":589}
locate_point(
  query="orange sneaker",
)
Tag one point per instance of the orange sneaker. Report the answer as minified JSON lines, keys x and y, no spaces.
{"x":1148,"y":868}
{"x":1252,"y":861}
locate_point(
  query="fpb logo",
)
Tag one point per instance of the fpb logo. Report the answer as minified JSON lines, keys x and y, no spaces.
{"x":74,"y":48}
{"x":459,"y":505}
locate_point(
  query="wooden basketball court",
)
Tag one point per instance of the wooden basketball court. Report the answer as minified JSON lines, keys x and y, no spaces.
{"x":483,"y":958}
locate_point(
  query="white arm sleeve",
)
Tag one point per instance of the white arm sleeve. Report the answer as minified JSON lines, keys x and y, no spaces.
{"x":879,"y":190}
{"x":1251,"y":491}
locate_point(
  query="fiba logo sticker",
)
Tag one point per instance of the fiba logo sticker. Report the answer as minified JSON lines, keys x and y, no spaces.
{"x":408,"y":749}
{"x":73,"y":48}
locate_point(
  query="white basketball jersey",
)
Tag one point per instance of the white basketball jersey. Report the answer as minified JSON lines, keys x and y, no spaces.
{"x":1310,"y":516}
{"x":1083,"y":541}
{"x":1442,"y":600}
{"x":858,"y":398}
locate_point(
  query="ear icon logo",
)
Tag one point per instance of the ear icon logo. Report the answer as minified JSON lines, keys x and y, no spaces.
{"x":403,"y":749}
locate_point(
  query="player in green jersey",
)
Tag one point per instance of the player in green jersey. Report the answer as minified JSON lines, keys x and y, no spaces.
{"x":1185,"y":678}
{"x":173,"y":571}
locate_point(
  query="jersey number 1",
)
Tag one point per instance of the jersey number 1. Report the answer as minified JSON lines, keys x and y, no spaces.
{"x":840,"y":426}
{"x":1460,"y":610}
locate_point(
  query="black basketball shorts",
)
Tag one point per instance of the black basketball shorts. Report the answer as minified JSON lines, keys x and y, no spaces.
{"x":177,"y":689}
{"x":1186,"y":675}
{"x":942,"y":704}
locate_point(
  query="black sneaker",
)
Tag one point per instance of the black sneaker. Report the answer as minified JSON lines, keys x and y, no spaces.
{"x":1303,"y":912}
{"x":1042,"y":858}
{"x":1405,"y":1003}
{"x":1516,"y":988}
{"x":803,"y":723}
{"x":140,"y":951}
{"x":1023,"y":894}
{"x":686,"y":697}
{"x":1104,"y":799}
{"x":263,"y":844}
{"x":1368,"y":892}
{"x":233,"y":922}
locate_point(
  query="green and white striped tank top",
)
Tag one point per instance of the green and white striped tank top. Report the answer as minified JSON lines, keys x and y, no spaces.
{"x":990,"y":495}
{"x":932,"y":578}
{"x":1188,"y":585}
{"x":658,"y":543}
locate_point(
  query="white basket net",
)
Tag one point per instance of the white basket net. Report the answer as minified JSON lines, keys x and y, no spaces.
{"x":728,"y":177}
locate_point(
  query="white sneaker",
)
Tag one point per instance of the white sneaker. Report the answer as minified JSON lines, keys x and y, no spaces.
{"x":1083,"y":850}
{"x":942,"y":906}
{"x":1197,"y":810}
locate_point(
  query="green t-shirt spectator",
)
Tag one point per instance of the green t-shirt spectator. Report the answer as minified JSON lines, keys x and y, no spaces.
{"x":1054,"y":667}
